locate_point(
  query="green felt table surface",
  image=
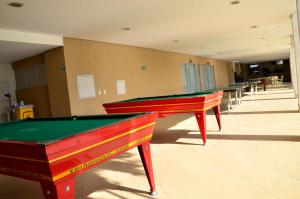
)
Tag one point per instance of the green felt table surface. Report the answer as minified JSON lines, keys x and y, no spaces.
{"x":198,"y":94}
{"x":50,"y":130}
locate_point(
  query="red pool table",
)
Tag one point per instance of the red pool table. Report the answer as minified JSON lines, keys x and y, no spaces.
{"x":54,"y":151}
{"x":197,"y":103}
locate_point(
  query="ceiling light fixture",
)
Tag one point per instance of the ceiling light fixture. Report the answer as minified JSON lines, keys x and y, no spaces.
{"x":15,"y":4}
{"x":234,"y":2}
{"x":127,"y":29}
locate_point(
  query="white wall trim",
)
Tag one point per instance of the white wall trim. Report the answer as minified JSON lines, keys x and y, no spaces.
{"x":27,"y":37}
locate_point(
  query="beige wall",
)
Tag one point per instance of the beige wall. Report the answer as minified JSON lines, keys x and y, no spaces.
{"x":7,"y":75}
{"x":57,"y":82}
{"x":111,"y":62}
{"x":221,"y":71}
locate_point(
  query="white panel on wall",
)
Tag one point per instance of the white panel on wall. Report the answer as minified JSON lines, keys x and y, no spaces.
{"x":86,"y":86}
{"x":121,"y":87}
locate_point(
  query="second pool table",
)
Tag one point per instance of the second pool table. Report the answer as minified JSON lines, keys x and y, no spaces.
{"x":197,"y":103}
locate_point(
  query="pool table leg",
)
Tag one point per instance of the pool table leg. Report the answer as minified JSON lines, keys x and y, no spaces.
{"x":62,"y":190}
{"x":201,"y":120}
{"x":145,"y":153}
{"x":217,"y":111}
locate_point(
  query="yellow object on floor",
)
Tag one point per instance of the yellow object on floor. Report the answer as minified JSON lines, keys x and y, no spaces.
{"x":25,"y":111}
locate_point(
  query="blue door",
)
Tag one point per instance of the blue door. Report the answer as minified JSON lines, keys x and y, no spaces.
{"x":191,"y":78}
{"x":209,"y":77}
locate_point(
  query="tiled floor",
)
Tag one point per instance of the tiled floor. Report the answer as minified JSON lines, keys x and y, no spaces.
{"x":255,"y":156}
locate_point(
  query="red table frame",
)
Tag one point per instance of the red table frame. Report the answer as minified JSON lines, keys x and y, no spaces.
{"x":165,"y":107}
{"x":55,"y":165}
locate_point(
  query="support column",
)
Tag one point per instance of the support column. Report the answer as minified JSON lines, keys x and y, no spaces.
{"x":293,"y":67}
{"x":296,"y":38}
{"x":231,"y":71}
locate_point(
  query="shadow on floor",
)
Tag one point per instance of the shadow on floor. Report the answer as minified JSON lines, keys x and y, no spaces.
{"x":99,"y":183}
{"x":170,"y":121}
{"x":263,"y":112}
{"x":172,"y":137}
{"x":283,"y":98}
{"x":291,"y":138}
{"x":273,"y":93}
{"x":88,"y":182}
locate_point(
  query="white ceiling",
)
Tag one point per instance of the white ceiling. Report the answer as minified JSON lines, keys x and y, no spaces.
{"x":13,"y":51}
{"x":212,"y":28}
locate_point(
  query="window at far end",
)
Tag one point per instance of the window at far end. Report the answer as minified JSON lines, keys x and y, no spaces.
{"x":253,"y":66}
{"x":279,"y":62}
